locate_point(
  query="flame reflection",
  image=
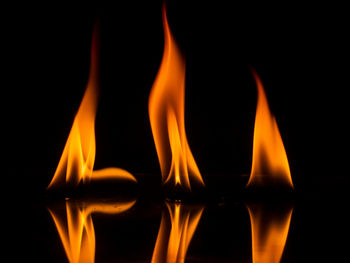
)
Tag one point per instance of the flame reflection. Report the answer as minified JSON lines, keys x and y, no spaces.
{"x":78,"y":157}
{"x":177,"y":227}
{"x":75,"y":227}
{"x":166,"y":107}
{"x":269,"y":227}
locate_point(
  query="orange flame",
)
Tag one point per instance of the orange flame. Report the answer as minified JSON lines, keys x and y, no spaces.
{"x":78,"y":157}
{"x":166,"y":112}
{"x":269,"y":233}
{"x":77,"y":231}
{"x":175,"y":233}
{"x":270,"y":163}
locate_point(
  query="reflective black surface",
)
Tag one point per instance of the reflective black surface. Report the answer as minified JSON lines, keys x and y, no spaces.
{"x":317,"y":231}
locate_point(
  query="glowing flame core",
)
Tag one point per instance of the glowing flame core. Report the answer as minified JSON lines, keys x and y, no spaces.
{"x":270,"y":164}
{"x":78,"y":157}
{"x":166,"y":112}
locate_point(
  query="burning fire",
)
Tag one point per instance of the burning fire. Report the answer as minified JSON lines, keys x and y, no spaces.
{"x":77,"y":230}
{"x":166,"y":112}
{"x":78,"y":157}
{"x":270,"y":164}
{"x":175,"y":233}
{"x":269,"y":233}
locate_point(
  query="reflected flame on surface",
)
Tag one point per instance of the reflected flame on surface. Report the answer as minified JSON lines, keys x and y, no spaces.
{"x":177,"y":227}
{"x":167,"y":117}
{"x":269,"y":163}
{"x":78,"y":157}
{"x":76,"y":229}
{"x":269,"y":229}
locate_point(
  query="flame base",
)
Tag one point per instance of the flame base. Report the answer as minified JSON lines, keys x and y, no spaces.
{"x":269,"y":192}
{"x":179,"y":192}
{"x":219,"y":187}
{"x":99,"y":188}
{"x":266,"y":181}
{"x":182,"y":196}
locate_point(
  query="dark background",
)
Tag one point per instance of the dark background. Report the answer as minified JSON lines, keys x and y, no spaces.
{"x":299,"y":51}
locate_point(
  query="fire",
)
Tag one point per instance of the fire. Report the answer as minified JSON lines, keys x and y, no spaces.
{"x":77,"y":230}
{"x":270,"y":164}
{"x":175,"y":233}
{"x":269,"y":233}
{"x":166,"y":112}
{"x":78,"y":157}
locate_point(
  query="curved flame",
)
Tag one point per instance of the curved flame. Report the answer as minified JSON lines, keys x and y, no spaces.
{"x":269,"y":233}
{"x":167,"y":117}
{"x":175,"y":233}
{"x":270,"y":164}
{"x":77,"y":231}
{"x":78,"y":157}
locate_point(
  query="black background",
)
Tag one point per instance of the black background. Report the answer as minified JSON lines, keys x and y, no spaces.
{"x":299,"y":51}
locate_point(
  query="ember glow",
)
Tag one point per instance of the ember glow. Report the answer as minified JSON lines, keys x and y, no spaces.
{"x":270,"y":164}
{"x":167,"y":116}
{"x":76,"y":229}
{"x":78,"y":157}
{"x":269,"y":232}
{"x":175,"y":233}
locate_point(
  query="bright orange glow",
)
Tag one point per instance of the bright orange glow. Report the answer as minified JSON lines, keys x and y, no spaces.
{"x":78,"y":157}
{"x":270,"y":164}
{"x":175,"y":233}
{"x":167,"y":116}
{"x":269,"y":233}
{"x":76,"y":230}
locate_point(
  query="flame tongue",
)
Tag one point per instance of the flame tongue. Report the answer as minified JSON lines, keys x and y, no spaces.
{"x":270,"y":164}
{"x":166,"y":112}
{"x":78,"y":157}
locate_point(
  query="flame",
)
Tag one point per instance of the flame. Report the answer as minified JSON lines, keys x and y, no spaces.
{"x":166,"y":112}
{"x":270,"y":163}
{"x":175,"y":233}
{"x":78,"y":157}
{"x":77,"y":231}
{"x":269,"y":233}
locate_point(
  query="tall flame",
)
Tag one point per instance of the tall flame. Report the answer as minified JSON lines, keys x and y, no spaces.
{"x":269,"y":233}
{"x":270,"y":164}
{"x":166,"y":112}
{"x":77,"y":230}
{"x":78,"y":157}
{"x":175,"y":233}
